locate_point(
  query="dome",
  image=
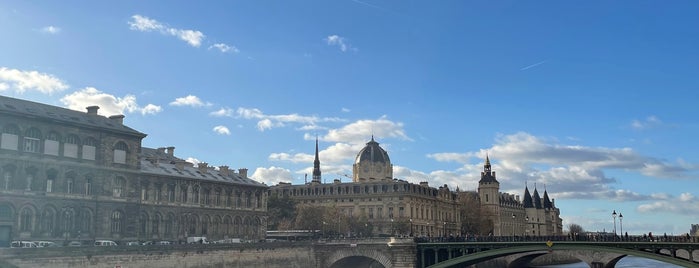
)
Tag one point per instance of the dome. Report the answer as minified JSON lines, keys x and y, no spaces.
{"x":372,"y":152}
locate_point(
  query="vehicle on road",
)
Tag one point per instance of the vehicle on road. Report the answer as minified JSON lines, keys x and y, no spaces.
{"x":106,"y":243}
{"x":197,"y":240}
{"x":23,"y":244}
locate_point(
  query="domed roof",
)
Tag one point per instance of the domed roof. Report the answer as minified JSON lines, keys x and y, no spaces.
{"x":372,"y":152}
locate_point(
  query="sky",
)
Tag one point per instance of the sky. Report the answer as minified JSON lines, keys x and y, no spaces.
{"x":596,"y":102}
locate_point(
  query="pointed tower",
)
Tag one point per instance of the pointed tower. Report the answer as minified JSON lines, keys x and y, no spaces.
{"x":316,"y":166}
{"x":488,"y":192}
{"x":527,"y":202}
{"x":537,"y":199}
{"x":547,"y":202}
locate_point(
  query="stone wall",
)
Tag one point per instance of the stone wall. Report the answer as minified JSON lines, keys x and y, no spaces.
{"x":250,"y":255}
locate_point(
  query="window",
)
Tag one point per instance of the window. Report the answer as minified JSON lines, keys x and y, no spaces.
{"x":116,"y":223}
{"x":10,"y":136}
{"x":51,"y":144}
{"x":168,"y":224}
{"x":170,"y":193}
{"x":31,"y":140}
{"x":195,"y":195}
{"x":207,"y":196}
{"x":144,"y":192}
{"x":157,"y":193}
{"x":89,"y":149}
{"x":155,"y":228}
{"x":379,"y":212}
{"x":85,"y":221}
{"x":119,"y":184}
{"x":70,"y":147}
{"x":248,"y":200}
{"x":217,"y":198}
{"x":143,"y":223}
{"x":390,"y":212}
{"x":26,"y":218}
{"x":69,"y":186}
{"x":401,"y":212}
{"x":49,"y":185}
{"x":88,"y":186}
{"x":5,"y":212}
{"x":120,"y":152}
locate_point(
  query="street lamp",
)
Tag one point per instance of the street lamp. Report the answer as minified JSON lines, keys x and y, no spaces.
{"x":621,"y":227}
{"x":444,"y":228}
{"x":513,"y":227}
{"x":526,"y":225}
{"x":614,"y":217}
{"x":392,"y":231}
{"x":411,"y":227}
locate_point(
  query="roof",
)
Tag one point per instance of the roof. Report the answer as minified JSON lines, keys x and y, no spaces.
{"x":372,"y":152}
{"x":157,"y":162}
{"x":63,"y":115}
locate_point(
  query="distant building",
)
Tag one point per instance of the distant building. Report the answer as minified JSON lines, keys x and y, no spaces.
{"x":68,"y":175}
{"x":533,"y":216}
{"x":695,"y":230}
{"x":390,"y":206}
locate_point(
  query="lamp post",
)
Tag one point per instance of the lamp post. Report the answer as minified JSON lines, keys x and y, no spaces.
{"x":513,"y":227}
{"x":526,"y":226}
{"x":444,"y":229}
{"x":392,"y":231}
{"x":614,"y":217}
{"x":621,"y":227}
{"x":411,"y":227}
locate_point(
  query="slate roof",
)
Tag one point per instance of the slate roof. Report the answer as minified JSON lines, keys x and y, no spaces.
{"x":156,"y":162}
{"x":62,"y":115}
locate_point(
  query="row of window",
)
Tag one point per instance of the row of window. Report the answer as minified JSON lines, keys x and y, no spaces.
{"x":356,"y":189}
{"x":32,"y":141}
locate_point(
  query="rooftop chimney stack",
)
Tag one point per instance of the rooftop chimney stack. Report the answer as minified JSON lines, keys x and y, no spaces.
{"x":203,"y":167}
{"x":223,"y":170}
{"x":92,"y":109}
{"x":171,"y":151}
{"x":243,"y":172}
{"x":118,"y":118}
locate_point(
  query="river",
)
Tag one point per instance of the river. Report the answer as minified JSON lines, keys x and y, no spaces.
{"x":626,"y":262}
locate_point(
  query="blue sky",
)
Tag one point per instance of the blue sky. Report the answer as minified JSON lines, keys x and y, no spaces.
{"x":594,"y":101}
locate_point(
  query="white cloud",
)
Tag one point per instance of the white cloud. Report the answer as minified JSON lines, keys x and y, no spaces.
{"x":339,"y":41}
{"x":145,"y":24}
{"x":650,"y":122}
{"x":272,"y":175}
{"x":21,"y":81}
{"x":109,"y":104}
{"x":222,"y":130}
{"x":266,"y":122}
{"x":189,"y":100}
{"x":51,"y":30}
{"x":224,"y":48}
{"x":358,"y":131}
{"x":227,"y":112}
{"x":685,"y":204}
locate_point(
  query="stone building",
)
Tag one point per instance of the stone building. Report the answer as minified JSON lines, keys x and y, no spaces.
{"x":390,"y":206}
{"x":532,"y":216}
{"x":67,"y":175}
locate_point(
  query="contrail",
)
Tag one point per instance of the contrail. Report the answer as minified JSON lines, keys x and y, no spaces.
{"x":369,"y":5}
{"x":532,"y":66}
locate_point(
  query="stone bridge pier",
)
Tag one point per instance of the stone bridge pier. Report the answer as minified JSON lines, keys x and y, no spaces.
{"x":593,"y":258}
{"x":373,"y":253}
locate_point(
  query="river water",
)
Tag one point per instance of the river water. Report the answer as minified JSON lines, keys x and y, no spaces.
{"x":626,"y":262}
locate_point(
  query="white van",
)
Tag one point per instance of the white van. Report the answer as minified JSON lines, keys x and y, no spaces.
{"x":23,"y":244}
{"x":105,"y":243}
{"x":45,"y":244}
{"x":197,"y":240}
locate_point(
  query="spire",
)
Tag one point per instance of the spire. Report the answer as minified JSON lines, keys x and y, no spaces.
{"x":487,"y":175}
{"x":487,"y":159}
{"x":527,"y":202}
{"x":316,"y":166}
{"x":547,"y":201}
{"x":537,"y":198}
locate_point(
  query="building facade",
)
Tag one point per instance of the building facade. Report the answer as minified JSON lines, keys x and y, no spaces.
{"x":390,"y":206}
{"x":509,"y":216}
{"x":68,"y":175}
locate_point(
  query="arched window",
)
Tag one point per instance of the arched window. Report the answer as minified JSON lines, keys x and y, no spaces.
{"x":155,"y":227}
{"x":48,"y":218}
{"x":205,"y":225}
{"x":8,"y":177}
{"x":10,"y":137}
{"x":195,"y":194}
{"x":183,"y":193}
{"x":143,"y":224}
{"x":32,"y":139}
{"x":26,"y":220}
{"x":226,"y":225}
{"x":215,"y":227}
{"x":248,"y":200}
{"x":70,"y":182}
{"x":119,"y":187}
{"x":5,"y":212}
{"x":169,"y":223}
{"x":120,"y":150}
{"x":68,"y":220}
{"x":88,"y":185}
{"x":51,"y":176}
{"x":51,"y":143}
{"x":70,"y":146}
{"x":85,"y":221}
{"x":89,"y":149}
{"x":207,"y":197}
{"x":117,"y":219}
{"x":217,"y":197}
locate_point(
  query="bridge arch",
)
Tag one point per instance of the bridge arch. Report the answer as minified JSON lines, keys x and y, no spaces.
{"x":478,"y":257}
{"x":344,"y":254}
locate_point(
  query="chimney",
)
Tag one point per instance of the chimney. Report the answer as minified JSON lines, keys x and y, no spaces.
{"x":180,"y":165}
{"x":203,"y":167}
{"x":171,"y":151}
{"x":223,"y":170}
{"x":92,"y":109}
{"x":243,"y":172}
{"x":161,"y":150}
{"x":118,"y":118}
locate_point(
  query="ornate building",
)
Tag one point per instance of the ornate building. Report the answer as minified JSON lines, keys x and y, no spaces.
{"x":390,"y":206}
{"x":68,"y":175}
{"x":533,"y":216}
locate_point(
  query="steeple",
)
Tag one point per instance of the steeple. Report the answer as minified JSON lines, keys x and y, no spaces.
{"x":537,"y":198}
{"x":487,"y":175}
{"x":316,"y":166}
{"x":547,"y":201}
{"x":527,"y":202}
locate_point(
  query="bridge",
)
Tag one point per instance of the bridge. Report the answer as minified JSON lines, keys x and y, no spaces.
{"x":345,"y":253}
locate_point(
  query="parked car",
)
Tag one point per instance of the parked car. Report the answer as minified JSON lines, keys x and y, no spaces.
{"x":105,"y":243}
{"x":147,"y":243}
{"x":46,"y":244}
{"x":197,"y":240}
{"x":23,"y":244}
{"x":164,"y":243}
{"x":75,"y":244}
{"x":133,"y":243}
